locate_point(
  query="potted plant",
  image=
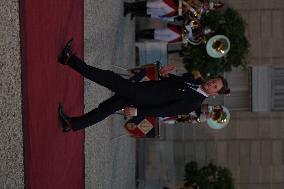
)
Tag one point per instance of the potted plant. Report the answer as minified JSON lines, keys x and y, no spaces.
{"x":208,"y":177}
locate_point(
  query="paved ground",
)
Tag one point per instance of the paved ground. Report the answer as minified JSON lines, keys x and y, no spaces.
{"x":109,"y":43}
{"x":11,"y":142}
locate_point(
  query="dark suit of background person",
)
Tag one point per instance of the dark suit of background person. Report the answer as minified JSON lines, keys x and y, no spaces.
{"x":166,"y":97}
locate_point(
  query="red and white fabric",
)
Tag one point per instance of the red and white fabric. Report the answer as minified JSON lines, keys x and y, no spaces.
{"x":162,"y":8}
{"x":171,"y":34}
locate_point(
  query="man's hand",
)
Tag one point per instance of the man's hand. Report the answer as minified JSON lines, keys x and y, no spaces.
{"x":130,"y":111}
{"x":167,"y":69}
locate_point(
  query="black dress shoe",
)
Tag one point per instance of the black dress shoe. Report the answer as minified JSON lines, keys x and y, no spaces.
{"x":65,"y":123}
{"x":66,"y":52}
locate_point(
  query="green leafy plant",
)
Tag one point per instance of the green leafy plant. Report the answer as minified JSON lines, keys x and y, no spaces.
{"x":228,"y":23}
{"x":208,"y":177}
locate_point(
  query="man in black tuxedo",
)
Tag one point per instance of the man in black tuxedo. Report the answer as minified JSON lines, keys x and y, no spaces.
{"x":169,"y":96}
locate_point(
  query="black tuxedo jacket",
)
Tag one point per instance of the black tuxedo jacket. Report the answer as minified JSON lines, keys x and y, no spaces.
{"x":168,"y":97}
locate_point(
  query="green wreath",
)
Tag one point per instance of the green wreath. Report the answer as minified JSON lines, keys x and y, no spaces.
{"x":228,"y":23}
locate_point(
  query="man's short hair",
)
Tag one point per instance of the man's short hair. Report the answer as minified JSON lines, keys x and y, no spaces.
{"x":224,"y":90}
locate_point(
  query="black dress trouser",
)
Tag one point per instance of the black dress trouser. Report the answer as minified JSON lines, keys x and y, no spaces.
{"x":123,"y":88}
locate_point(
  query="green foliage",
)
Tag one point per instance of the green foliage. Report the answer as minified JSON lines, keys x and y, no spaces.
{"x":208,"y":177}
{"x":230,"y":24}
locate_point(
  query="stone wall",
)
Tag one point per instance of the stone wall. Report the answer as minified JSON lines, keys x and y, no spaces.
{"x":251,"y":147}
{"x":265,"y":31}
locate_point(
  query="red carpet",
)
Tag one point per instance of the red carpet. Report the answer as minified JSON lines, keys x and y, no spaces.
{"x":53,"y":159}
